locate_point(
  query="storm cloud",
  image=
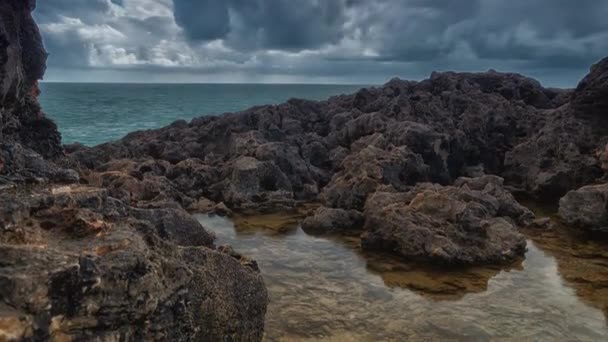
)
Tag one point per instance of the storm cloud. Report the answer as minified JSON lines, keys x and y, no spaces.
{"x":264,"y":24}
{"x":354,"y":41}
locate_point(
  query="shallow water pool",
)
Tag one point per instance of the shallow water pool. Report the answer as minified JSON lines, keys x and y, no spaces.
{"x":325,"y":288}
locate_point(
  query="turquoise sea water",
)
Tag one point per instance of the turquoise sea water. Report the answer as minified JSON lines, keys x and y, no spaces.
{"x":95,"y":113}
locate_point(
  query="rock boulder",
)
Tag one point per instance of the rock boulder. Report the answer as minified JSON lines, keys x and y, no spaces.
{"x":586,"y":208}
{"x":472,"y":223}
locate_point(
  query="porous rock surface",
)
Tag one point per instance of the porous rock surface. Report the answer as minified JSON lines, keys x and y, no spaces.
{"x":472,"y":222}
{"x":80,"y":263}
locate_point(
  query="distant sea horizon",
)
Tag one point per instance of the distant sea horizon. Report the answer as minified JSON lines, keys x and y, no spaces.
{"x":214,"y":83}
{"x":93,"y":113}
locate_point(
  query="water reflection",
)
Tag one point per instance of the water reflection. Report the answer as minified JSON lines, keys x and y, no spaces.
{"x":324,"y":288}
{"x":581,"y":261}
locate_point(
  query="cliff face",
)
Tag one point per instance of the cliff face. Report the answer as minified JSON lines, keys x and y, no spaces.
{"x":22,"y":64}
{"x":78,"y":264}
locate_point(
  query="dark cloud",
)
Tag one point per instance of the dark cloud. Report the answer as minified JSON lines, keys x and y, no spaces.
{"x":361,"y":39}
{"x":559,"y":33}
{"x":263,"y":24}
{"x":203,"y":20}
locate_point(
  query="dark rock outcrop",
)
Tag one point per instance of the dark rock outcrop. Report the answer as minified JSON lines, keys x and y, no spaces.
{"x":342,"y":151}
{"x":586,"y":208}
{"x":590,"y":100}
{"x":22,"y":64}
{"x":402,"y":133}
{"x":473,"y":222}
{"x":559,"y":158}
{"x":82,"y":263}
{"x":564,"y":154}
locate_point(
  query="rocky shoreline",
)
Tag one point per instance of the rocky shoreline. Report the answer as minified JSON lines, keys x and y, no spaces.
{"x":447,"y":154}
{"x":97,"y":243}
{"x":79,"y":264}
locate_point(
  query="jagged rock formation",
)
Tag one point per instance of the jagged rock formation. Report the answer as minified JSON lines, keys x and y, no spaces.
{"x":543,"y":142}
{"x":451,"y":125}
{"x":22,"y":64}
{"x":563,"y":154}
{"x":405,"y":132}
{"x":79,"y":263}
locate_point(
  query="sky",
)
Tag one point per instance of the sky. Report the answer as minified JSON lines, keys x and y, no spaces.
{"x":318,"y":41}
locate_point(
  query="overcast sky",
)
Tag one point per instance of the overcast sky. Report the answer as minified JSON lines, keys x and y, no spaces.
{"x":319,"y":41}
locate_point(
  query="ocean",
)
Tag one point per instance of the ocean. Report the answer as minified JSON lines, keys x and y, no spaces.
{"x":94,"y":113}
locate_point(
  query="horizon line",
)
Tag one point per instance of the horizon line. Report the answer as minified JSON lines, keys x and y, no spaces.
{"x":210,"y":83}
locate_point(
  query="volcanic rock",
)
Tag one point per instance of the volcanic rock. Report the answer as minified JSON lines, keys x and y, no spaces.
{"x":474,"y":222}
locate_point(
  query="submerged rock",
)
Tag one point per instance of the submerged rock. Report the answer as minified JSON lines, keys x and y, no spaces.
{"x":586,"y":208}
{"x":474,"y":222}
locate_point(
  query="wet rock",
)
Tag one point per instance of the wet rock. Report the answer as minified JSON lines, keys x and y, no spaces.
{"x":586,"y":208}
{"x":329,"y":219}
{"x":450,"y":225}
